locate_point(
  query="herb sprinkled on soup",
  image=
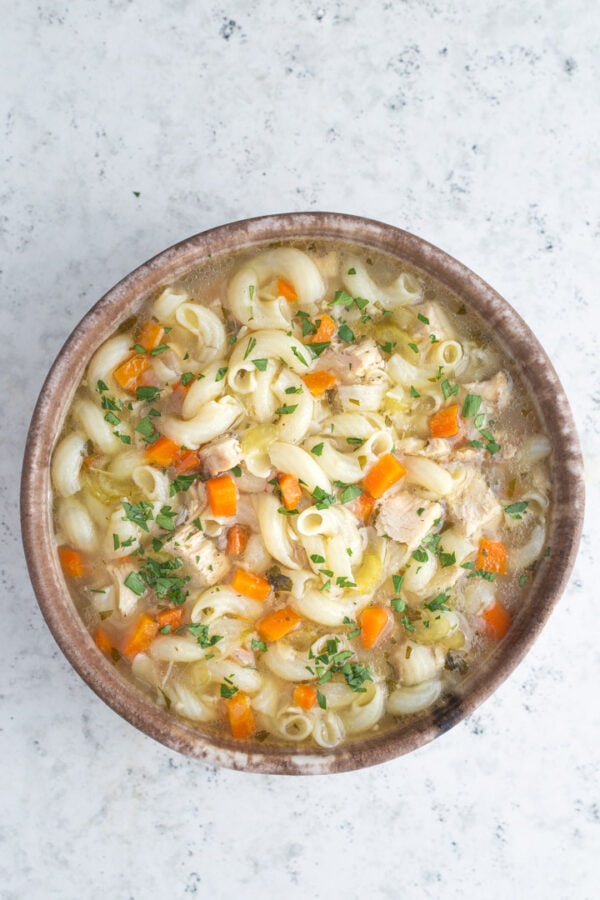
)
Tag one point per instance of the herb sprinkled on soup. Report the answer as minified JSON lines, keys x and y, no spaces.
{"x":300,"y":495}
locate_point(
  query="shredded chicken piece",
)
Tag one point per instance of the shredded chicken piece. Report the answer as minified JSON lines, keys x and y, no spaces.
{"x":472,"y":504}
{"x":220,"y":455}
{"x":352,"y":362}
{"x":496,"y":391}
{"x":406,"y":518}
{"x":200,"y":553}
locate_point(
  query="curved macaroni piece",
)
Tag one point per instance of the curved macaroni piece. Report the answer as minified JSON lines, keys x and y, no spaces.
{"x":366,"y":709}
{"x":294,"y":724}
{"x":66,"y":464}
{"x":428,"y":474}
{"x":168,"y":302}
{"x":328,"y":729}
{"x":204,"y":389}
{"x":76,"y":524}
{"x":274,"y":530}
{"x":328,"y":610}
{"x":214,"y":418}
{"x":293,"y":425}
{"x":405,"y":290}
{"x":90,"y":419}
{"x":222,"y":600}
{"x":296,"y":461}
{"x":153,"y":484}
{"x":406,"y":700}
{"x":105,"y":360}
{"x":206,"y":325}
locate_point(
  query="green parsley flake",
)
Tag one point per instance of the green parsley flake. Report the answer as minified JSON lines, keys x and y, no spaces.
{"x":346,"y":334}
{"x":516,"y":510}
{"x":261,"y":364}
{"x":471,"y":406}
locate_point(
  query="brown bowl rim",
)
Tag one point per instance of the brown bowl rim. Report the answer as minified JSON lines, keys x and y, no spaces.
{"x":55,"y":602}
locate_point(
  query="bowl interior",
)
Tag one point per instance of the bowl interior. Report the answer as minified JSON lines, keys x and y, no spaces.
{"x":118,"y":304}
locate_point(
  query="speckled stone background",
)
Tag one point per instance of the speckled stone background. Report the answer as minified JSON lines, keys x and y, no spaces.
{"x":127,"y":126}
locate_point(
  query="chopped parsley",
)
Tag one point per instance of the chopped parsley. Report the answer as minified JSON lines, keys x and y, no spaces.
{"x":420,"y":555}
{"x":182,"y":483}
{"x":448,"y":390}
{"x":259,"y":646}
{"x":221,"y":373}
{"x":422,"y":318}
{"x":261,"y":364}
{"x":414,"y":392}
{"x":317,"y":347}
{"x":148,"y":393}
{"x":471,"y":406}
{"x":138,"y":513}
{"x":317,"y":450}
{"x":228,"y":689}
{"x":350,"y":492}
{"x":200,"y":632}
{"x":516,"y":510}
{"x":299,"y":356}
{"x":250,"y":347}
{"x":346,"y":334}
{"x":286,"y":409}
{"x":186,"y":378}
{"x":413,"y":347}
{"x":438,"y":603}
{"x":146,"y":428}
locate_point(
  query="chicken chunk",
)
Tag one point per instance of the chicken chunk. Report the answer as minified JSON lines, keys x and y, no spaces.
{"x":352,"y":362}
{"x":220,"y":455}
{"x":472,"y":504}
{"x":191,"y":546}
{"x":406,"y":518}
{"x":495,"y":392}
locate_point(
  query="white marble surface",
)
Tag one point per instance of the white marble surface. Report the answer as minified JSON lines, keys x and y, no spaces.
{"x":474,"y":125}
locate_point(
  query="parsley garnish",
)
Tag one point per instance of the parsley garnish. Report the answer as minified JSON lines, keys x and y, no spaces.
{"x":422,"y":318}
{"x":186,"y":378}
{"x":145,"y":427}
{"x":351,"y":492}
{"x":420,"y":555}
{"x":438,"y":603}
{"x":286,"y":409}
{"x":138,"y":513}
{"x":471,"y":406}
{"x":414,"y":348}
{"x":318,"y":449}
{"x":221,"y":373}
{"x":200,"y":632}
{"x":250,"y":347}
{"x":261,"y":364}
{"x":228,"y":689}
{"x":448,"y":390}
{"x":182,"y":483}
{"x":146,"y":393}
{"x":258,"y":645}
{"x":346,"y":334}
{"x":299,"y":356}
{"x":414,"y":392}
{"x":516,"y":510}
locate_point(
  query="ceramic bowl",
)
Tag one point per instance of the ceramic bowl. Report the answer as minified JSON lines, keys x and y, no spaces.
{"x":117,"y":305}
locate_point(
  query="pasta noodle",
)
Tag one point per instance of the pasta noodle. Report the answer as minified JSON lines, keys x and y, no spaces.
{"x":313,"y":498}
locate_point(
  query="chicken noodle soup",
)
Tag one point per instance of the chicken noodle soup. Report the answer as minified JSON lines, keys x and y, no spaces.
{"x":300,"y":495}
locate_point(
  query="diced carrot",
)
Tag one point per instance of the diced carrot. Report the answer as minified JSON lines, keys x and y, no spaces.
{"x":222,"y":496}
{"x":103,"y":642}
{"x":250,"y":585}
{"x":237,"y":540}
{"x":491,"y":556}
{"x":287,"y":290}
{"x":142,"y":635}
{"x":163,"y":452}
{"x":497,"y":621}
{"x":362,"y":507}
{"x":277,"y":624}
{"x":240,"y":715}
{"x":72,"y":562}
{"x":305,"y":696}
{"x":373,"y":622}
{"x":129,"y":373}
{"x":444,"y":423}
{"x":151,"y":335}
{"x":186,"y":461}
{"x":172,"y":617}
{"x":318,"y":382}
{"x":291,"y":492}
{"x":380,"y":477}
{"x":325,"y":330}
